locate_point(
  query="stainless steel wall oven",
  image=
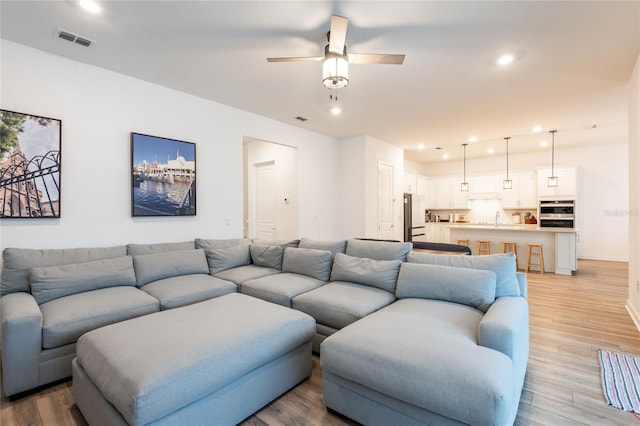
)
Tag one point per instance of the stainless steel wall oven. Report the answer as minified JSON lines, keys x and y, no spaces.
{"x":557,"y":214}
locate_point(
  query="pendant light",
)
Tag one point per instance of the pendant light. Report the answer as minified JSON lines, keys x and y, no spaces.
{"x":552,"y":181}
{"x":507,"y":183}
{"x":464,"y":186}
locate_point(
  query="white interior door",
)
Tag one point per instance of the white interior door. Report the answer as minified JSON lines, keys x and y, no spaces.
{"x":385,"y":201}
{"x":266,"y":199}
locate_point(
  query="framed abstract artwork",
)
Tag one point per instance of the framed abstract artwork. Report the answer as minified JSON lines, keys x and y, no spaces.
{"x":30,"y":165}
{"x":163,"y":176}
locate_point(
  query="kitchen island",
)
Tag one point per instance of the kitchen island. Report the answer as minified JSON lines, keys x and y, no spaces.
{"x":558,"y":244}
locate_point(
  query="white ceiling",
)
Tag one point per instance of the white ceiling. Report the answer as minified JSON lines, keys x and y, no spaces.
{"x":573,"y":60}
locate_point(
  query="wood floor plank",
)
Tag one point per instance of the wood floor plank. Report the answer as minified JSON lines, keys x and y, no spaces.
{"x":571,"y":318}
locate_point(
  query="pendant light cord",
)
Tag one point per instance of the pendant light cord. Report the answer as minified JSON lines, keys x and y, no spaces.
{"x":507,"y":139}
{"x":553,"y":150}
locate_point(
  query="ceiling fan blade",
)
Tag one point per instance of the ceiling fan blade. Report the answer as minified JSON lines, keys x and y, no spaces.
{"x":337,"y":34}
{"x":297,"y":59}
{"x":373,"y":58}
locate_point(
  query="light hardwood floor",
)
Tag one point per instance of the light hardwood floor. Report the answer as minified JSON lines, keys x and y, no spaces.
{"x":571,"y":317}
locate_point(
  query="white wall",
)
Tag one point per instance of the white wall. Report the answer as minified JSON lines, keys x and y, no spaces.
{"x":603,"y":196}
{"x":100,"y":108}
{"x":633,"y":304}
{"x":286,"y":186}
{"x":359,"y":185}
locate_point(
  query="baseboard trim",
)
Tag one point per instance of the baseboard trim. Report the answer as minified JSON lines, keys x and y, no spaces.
{"x":635,"y":317}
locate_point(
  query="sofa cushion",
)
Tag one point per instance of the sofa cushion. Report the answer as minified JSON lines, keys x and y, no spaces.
{"x":52,"y":282}
{"x":245,"y":273}
{"x":210,"y":244}
{"x":338,"y":304}
{"x":504,"y":266}
{"x":187,"y":289}
{"x":282,"y":243}
{"x":376,"y":273}
{"x":334,"y":247}
{"x":470,"y":287}
{"x":314,"y":263}
{"x":226,"y":258}
{"x":152,"y":267}
{"x":267,"y":256}
{"x":17,"y":262}
{"x":136,"y":249}
{"x":280,"y":288}
{"x":67,"y":318}
{"x":426,"y":353}
{"x":378,"y":250}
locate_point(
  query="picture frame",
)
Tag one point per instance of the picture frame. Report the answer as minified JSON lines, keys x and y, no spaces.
{"x":163,"y":176}
{"x":30,"y":166}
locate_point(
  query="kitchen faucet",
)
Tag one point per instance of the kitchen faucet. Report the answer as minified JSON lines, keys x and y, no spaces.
{"x":497,"y":217}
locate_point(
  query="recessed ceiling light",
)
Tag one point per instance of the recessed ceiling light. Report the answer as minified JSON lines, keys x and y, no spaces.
{"x":421,"y":146}
{"x":491,"y":151}
{"x":544,"y":144}
{"x":336,"y":110}
{"x":536,"y":129}
{"x":505,"y":59}
{"x":90,"y":6}
{"x":445,"y":156}
{"x":473,"y":139}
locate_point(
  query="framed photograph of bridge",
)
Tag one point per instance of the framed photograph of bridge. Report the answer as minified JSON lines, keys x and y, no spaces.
{"x":29,"y":166}
{"x":163,"y":176}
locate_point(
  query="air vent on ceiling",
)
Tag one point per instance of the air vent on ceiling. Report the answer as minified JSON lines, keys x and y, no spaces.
{"x":74,"y":38}
{"x":301,"y":118}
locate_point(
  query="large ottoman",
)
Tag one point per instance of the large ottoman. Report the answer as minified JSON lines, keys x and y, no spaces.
{"x":213,"y":362}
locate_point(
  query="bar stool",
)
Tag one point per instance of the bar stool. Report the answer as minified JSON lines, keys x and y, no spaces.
{"x":510,"y":246}
{"x":535,"y":250}
{"x":463,"y":242}
{"x":484,"y":247}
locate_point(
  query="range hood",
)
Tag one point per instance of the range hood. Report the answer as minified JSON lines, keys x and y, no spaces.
{"x":484,"y":196}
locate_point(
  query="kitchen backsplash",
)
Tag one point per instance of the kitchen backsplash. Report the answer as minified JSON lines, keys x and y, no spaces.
{"x":484,"y":211}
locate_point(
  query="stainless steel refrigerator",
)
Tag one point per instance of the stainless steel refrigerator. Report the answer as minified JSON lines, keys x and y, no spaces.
{"x":414,"y":229}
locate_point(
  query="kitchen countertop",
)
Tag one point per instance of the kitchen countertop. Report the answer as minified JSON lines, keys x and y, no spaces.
{"x":507,"y":227}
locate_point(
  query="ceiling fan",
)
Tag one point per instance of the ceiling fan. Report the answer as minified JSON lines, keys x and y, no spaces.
{"x":336,"y":60}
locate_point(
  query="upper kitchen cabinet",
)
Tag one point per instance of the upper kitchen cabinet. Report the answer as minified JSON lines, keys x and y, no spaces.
{"x":415,"y":184}
{"x":444,"y":193}
{"x":567,"y":182}
{"x":487,"y":185}
{"x":523,"y":193}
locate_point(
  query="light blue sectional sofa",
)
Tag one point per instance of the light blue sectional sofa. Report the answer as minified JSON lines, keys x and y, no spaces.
{"x":404,"y":337}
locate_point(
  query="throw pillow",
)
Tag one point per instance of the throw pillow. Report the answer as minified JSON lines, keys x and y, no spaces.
{"x":313,"y":263}
{"x":376,"y":273}
{"x":226,"y":258}
{"x":154,"y":267}
{"x":267,"y":256}
{"x":471,"y":287}
{"x":52,"y":282}
{"x":504,"y":266}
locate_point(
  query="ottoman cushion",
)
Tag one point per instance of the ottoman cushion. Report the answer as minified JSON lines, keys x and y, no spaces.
{"x":67,"y":318}
{"x":157,"y":364}
{"x":187,"y":289}
{"x":338,"y":304}
{"x":425,"y":353}
{"x":280,"y":288}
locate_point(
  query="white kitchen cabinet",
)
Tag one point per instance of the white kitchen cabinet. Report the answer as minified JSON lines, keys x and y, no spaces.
{"x":567,"y":182}
{"x":523,"y":193}
{"x":447,"y":194}
{"x":437,"y":232}
{"x":422,"y":185}
{"x":432,"y":194}
{"x":487,"y":184}
{"x":566,"y":253}
{"x":429,"y":232}
{"x":409,"y":183}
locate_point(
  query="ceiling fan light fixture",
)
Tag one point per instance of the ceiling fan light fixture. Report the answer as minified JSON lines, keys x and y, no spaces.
{"x":335,"y":71}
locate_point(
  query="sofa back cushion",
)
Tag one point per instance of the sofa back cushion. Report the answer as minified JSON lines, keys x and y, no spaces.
{"x":376,"y":273}
{"x":282,"y":243}
{"x":209,"y":244}
{"x":222,"y":259}
{"x":338,"y":246}
{"x":378,"y":250}
{"x":471,"y":287}
{"x":504,"y":266}
{"x":267,"y":256}
{"x":313,"y":263}
{"x":52,"y":282}
{"x":153,"y":267}
{"x":136,"y":249}
{"x":17,"y":262}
